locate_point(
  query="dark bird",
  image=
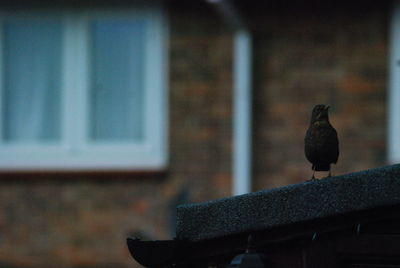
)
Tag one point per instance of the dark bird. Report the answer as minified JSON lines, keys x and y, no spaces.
{"x":321,"y":141}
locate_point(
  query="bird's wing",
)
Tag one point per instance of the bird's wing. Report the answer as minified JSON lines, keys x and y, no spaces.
{"x":331,"y":143}
{"x":335,"y":145}
{"x":310,"y":144}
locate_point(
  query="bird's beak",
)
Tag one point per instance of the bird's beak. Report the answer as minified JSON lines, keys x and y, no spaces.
{"x":327,"y":107}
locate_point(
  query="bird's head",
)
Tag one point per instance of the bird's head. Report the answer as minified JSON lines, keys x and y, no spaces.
{"x":320,"y":113}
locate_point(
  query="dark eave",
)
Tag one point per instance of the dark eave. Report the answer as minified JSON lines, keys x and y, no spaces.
{"x":291,"y":216}
{"x":294,"y":204}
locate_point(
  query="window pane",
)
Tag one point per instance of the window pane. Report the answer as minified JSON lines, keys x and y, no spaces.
{"x":31,"y":96}
{"x":117,"y":108}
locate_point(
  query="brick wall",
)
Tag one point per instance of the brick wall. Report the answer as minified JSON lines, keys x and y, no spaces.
{"x":336,"y":55}
{"x":311,"y":53}
{"x":200,"y":102}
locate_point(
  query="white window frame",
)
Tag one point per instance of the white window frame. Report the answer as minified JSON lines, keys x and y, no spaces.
{"x":75,"y":151}
{"x":393,"y":139}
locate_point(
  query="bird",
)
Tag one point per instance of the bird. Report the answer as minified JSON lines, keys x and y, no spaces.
{"x":321,"y":143}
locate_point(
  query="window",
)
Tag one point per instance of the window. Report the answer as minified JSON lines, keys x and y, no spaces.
{"x":82,"y":89}
{"x":394,"y":88}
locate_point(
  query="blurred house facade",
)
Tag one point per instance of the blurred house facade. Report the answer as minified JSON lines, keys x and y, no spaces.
{"x":304,"y":53}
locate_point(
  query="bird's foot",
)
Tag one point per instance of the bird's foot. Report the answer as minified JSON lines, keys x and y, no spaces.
{"x":329,"y":175}
{"x":313,"y":178}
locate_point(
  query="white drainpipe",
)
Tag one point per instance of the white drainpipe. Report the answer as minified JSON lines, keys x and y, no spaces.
{"x":242,"y":108}
{"x":393,"y":140}
{"x":242,"y":98}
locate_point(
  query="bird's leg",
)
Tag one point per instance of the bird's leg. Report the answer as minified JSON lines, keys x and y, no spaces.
{"x":313,"y":176}
{"x":329,"y":174}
